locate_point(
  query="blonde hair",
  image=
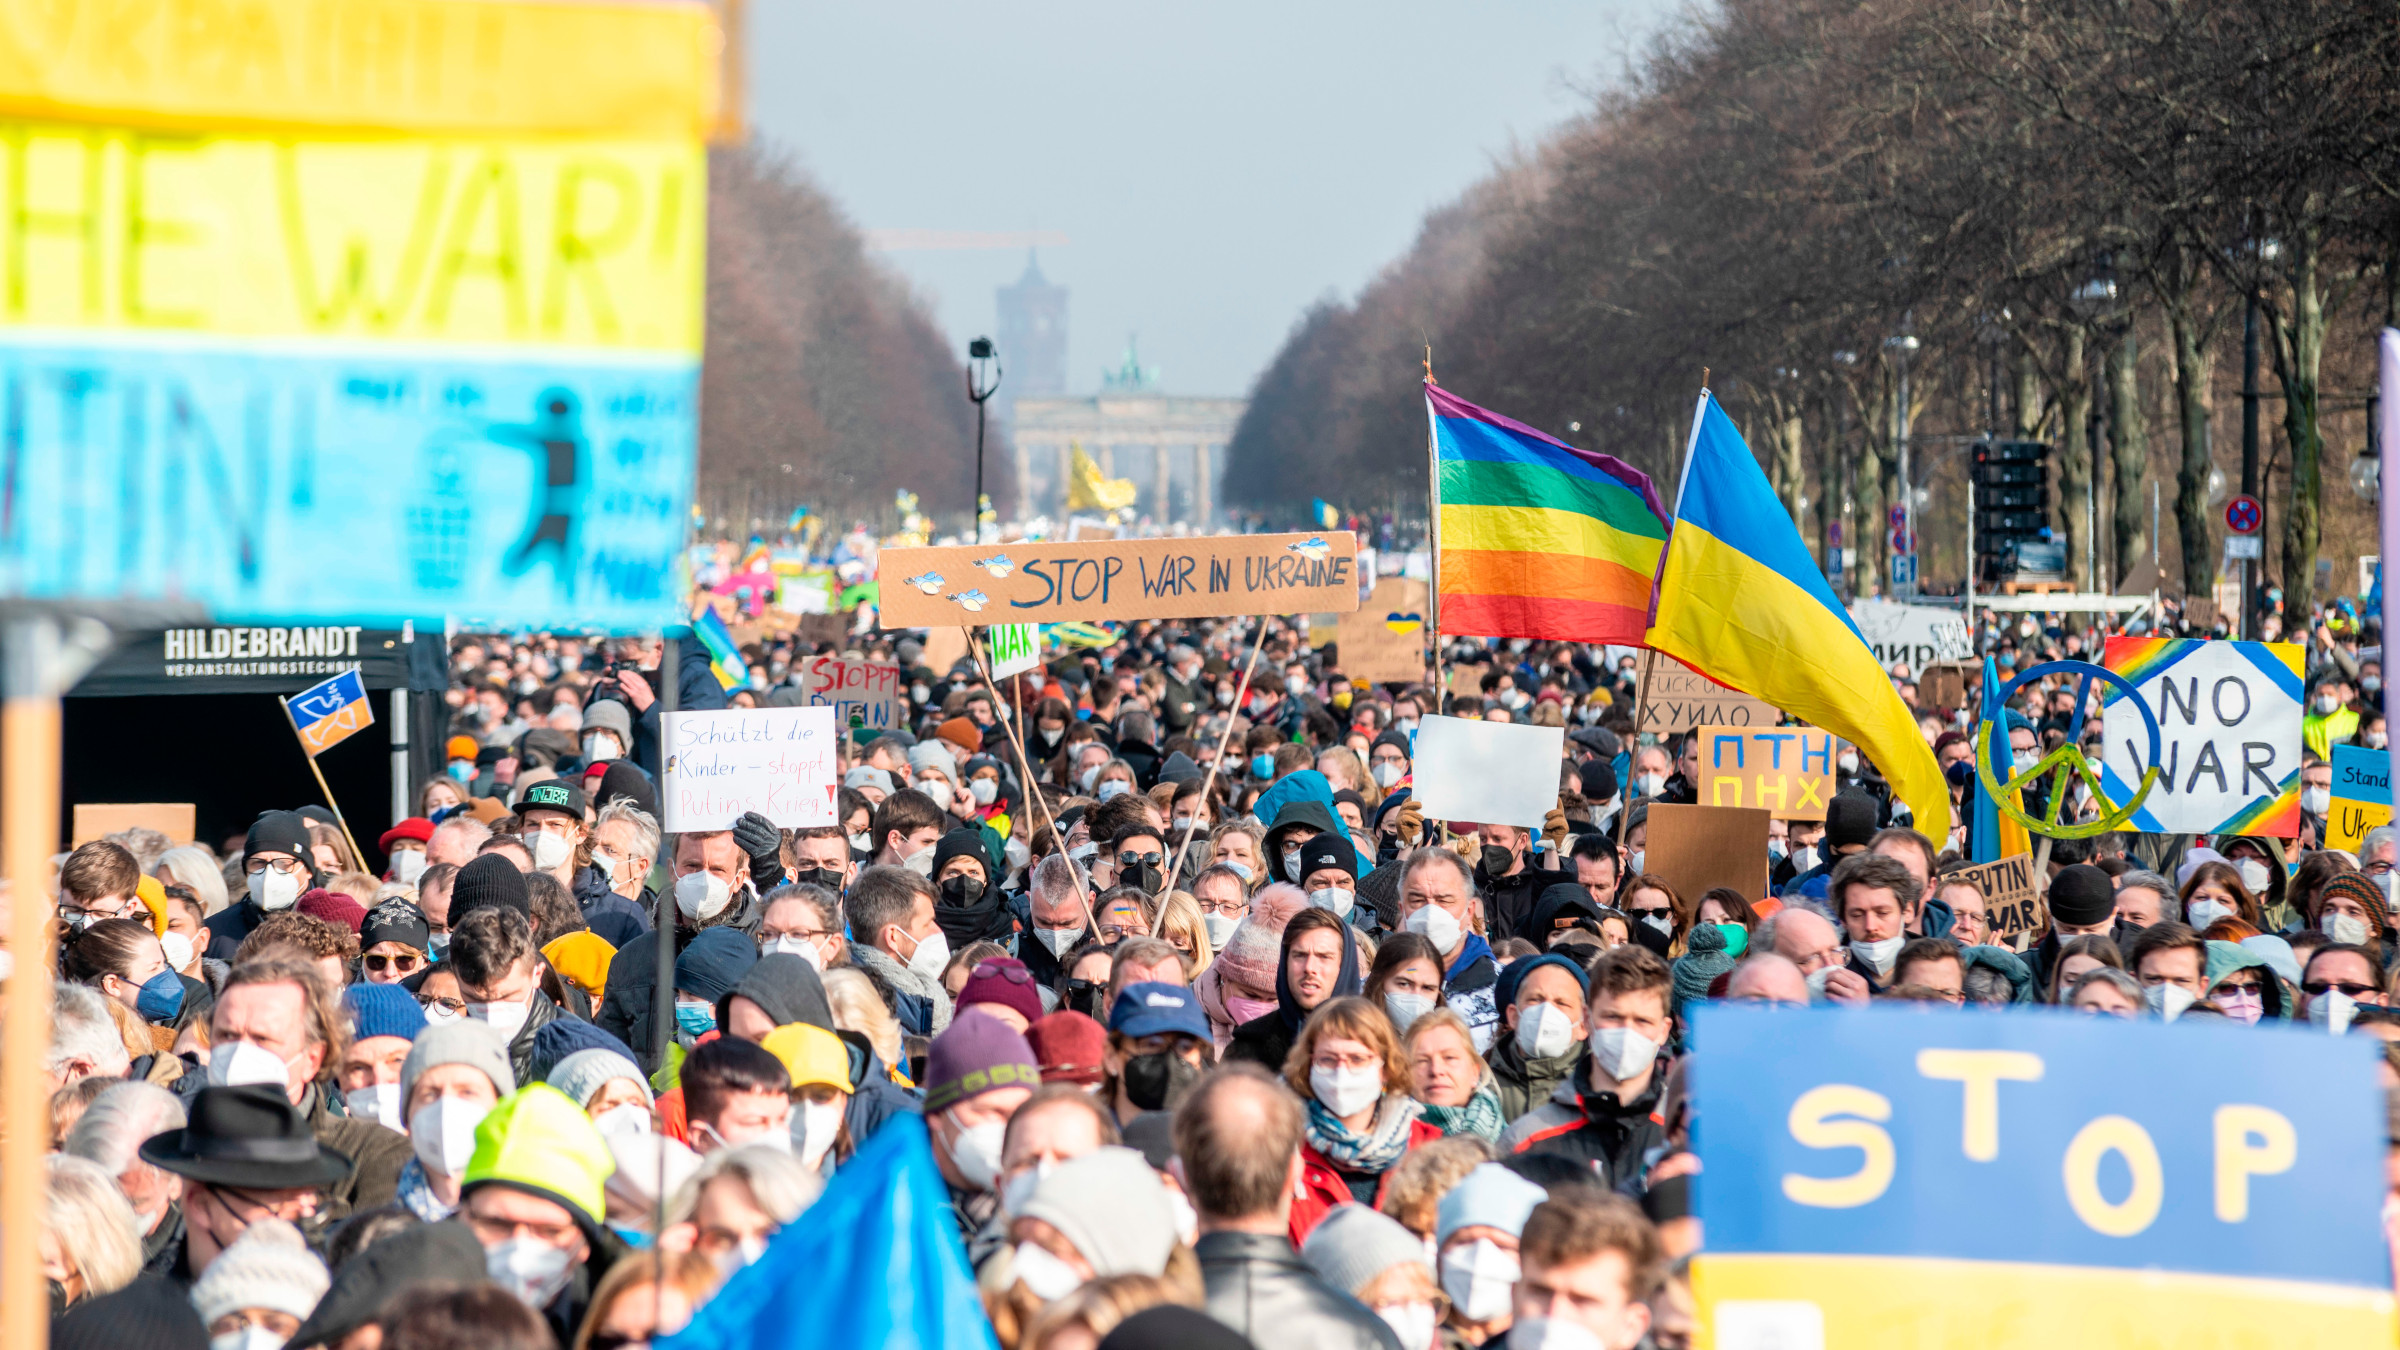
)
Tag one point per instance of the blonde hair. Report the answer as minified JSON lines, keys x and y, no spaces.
{"x":1258,"y":844}
{"x":695,"y":1275}
{"x":857,"y":1007}
{"x":93,"y":1224}
{"x":1362,"y":782}
{"x":194,"y":868}
{"x":1413,"y":1189}
{"x":1352,"y":1018}
{"x":1179,"y":913}
{"x":1100,"y":1306}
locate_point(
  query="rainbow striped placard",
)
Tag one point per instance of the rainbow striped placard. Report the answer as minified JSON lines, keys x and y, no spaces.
{"x":1539,"y":539}
{"x":2229,"y":725}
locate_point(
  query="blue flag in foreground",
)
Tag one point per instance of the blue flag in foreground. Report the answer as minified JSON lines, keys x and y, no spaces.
{"x":875,"y":1262}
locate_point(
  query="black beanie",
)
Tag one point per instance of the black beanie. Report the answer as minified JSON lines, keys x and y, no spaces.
{"x":2081,"y":895}
{"x":1849,"y":819}
{"x":279,"y":832}
{"x":1328,"y":850}
{"x":488,"y":880}
{"x":1598,"y":780}
{"x":622,"y":779}
{"x":967,"y":842}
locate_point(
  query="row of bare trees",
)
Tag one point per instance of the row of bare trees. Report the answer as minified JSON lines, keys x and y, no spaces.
{"x":2059,"y":218}
{"x":827,"y":383}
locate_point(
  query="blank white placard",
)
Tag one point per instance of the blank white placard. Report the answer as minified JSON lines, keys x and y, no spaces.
{"x":1492,"y":773}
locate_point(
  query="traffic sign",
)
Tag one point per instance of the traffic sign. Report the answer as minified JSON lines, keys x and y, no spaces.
{"x":1899,"y":515}
{"x":2243,"y":515}
{"x":1904,"y":571}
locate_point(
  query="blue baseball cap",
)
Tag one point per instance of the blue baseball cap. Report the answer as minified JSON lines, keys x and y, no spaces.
{"x":1154,"y":1009}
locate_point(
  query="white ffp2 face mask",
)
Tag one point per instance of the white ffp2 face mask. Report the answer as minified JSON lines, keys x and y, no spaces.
{"x":1480,"y":1279}
{"x":1879,"y":954}
{"x":1437,"y":926}
{"x":277,"y":891}
{"x":378,"y":1102}
{"x":1622,"y":1052}
{"x":1346,"y":1092}
{"x":1544,"y":1031}
{"x":702,"y":896}
{"x":442,"y":1133}
{"x":2347,"y":928}
{"x":550,"y":850}
{"x":241,"y":1063}
{"x":408,"y":865}
{"x":1333,"y":898}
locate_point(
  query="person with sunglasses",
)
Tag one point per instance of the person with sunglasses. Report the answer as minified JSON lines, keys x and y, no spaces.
{"x":392,"y":941}
{"x":2339,"y":978}
{"x":1139,"y":855}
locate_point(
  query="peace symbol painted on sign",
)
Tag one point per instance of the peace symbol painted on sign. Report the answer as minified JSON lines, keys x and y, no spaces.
{"x":2243,"y":515}
{"x":2066,"y":763}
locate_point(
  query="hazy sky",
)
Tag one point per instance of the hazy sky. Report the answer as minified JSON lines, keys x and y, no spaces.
{"x":1213,"y":168}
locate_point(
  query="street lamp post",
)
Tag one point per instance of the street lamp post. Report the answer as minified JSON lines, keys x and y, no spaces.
{"x":1902,"y":346}
{"x":983,"y":379}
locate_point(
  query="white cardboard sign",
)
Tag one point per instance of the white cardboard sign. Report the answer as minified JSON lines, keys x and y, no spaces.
{"x":2229,"y":717}
{"x":1917,"y":634}
{"x":779,"y":762}
{"x":1491,"y":773}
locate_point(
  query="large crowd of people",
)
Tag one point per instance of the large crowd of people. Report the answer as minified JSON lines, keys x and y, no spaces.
{"x":1215,"y":1038}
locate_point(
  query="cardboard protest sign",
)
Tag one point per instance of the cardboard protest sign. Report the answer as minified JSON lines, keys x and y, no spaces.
{"x":1787,"y":770}
{"x":1943,"y":685}
{"x":1911,"y":635}
{"x":1013,"y":648}
{"x":2229,"y":726}
{"x":944,"y":648}
{"x":1681,"y":698}
{"x":1840,"y":1142}
{"x":864,"y":695}
{"x":1384,"y":639}
{"x":1120,"y":579}
{"x":1492,"y":773}
{"x":2010,"y":903}
{"x":779,"y":762}
{"x":175,"y":820}
{"x":1699,"y":848}
{"x":2362,"y":795}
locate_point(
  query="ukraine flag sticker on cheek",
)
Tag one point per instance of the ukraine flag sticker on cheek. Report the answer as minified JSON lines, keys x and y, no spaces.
{"x":1882,"y":1178}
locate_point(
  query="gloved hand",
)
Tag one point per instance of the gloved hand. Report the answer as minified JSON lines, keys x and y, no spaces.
{"x":1409,"y":825}
{"x":1554,"y":828}
{"x":758,"y":838}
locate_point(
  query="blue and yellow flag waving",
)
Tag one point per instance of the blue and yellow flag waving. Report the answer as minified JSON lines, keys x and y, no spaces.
{"x":1740,"y":600}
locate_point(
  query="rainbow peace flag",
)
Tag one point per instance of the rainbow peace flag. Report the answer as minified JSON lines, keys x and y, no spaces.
{"x":1741,"y":601}
{"x":1539,"y":539}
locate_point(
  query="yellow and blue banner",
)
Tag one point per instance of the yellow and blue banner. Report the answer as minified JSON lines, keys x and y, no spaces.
{"x":1879,"y":1177}
{"x":330,"y":712}
{"x":1740,"y":600}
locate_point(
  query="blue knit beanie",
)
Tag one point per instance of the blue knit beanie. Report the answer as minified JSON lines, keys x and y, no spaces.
{"x":383,"y":1010}
{"x":562,"y":1036}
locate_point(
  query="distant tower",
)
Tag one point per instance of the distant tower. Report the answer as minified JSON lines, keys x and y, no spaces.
{"x":1032,"y":337}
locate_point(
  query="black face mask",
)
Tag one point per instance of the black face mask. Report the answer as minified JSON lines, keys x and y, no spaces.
{"x":1158,"y":1081}
{"x":962,"y":892}
{"x":1083,"y":996}
{"x":815,"y":875}
{"x":1497,"y":860}
{"x":1143,"y":875}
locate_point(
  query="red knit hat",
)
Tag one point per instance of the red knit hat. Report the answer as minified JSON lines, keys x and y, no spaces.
{"x":1069,"y":1046}
{"x":1002,"y":980}
{"x":415,"y":827}
{"x":333,"y":907}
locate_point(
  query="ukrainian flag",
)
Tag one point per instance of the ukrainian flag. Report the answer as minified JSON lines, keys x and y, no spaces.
{"x":724,"y":657}
{"x":1740,"y":600}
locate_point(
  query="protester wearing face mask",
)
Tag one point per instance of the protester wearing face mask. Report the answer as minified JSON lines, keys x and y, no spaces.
{"x":1102,"y":1214}
{"x":977,"y":1073}
{"x":128,"y":966}
{"x":551,"y":816}
{"x":2330,"y":719}
{"x":798,"y":921}
{"x":2171,"y":963}
{"x":1512,"y":875}
{"x":1329,"y":874}
{"x":1318,"y":962}
{"x":1849,"y":825}
{"x":1543,"y":1021}
{"x":896,"y":940}
{"x":2243,"y":985}
{"x":735,"y":1202}
{"x":1056,"y":916}
{"x":712,"y":885}
{"x":384,"y":1024}
{"x":2213,"y":891}
{"x":534,"y":1193}
{"x":818,"y":1065}
{"x":110,"y":1135}
{"x":608,"y":1086}
{"x":1438,"y":903}
{"x":735,"y":1092}
{"x":1297,"y":819}
{"x":275,"y":1024}
{"x":1604,"y":1113}
{"x":1381,"y":1264}
{"x":1875,"y":898}
{"x":970,"y":907}
{"x":1348,"y":1068}
{"x":403,"y":846}
{"x":97,"y":883}
{"x":1476,"y":1240}
{"x":246,"y":1156}
{"x":260,"y":1289}
{"x":1589,"y":1267}
{"x":607,"y":732}
{"x":1158,"y":1046}
{"x":453,"y":1076}
{"x":907,"y":829}
{"x":275,"y":864}
{"x":499,"y":975}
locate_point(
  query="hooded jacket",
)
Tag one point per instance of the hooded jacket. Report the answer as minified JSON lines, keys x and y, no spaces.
{"x":593,"y":894}
{"x":1611,"y":1135}
{"x":1267,"y":1040}
{"x":2278,"y":1000}
{"x":1300,"y":812}
{"x":1514,"y":898}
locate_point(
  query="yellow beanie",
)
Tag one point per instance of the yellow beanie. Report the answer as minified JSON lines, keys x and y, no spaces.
{"x":811,"y":1055}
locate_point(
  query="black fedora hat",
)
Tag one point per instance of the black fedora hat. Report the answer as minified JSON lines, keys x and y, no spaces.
{"x":246,"y":1136}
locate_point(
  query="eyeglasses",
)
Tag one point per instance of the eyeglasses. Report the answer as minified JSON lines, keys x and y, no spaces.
{"x":1233,"y":908}
{"x":280,"y":866}
{"x":1661,"y":912}
{"x":1114,"y":933}
{"x":1131,"y":859}
{"x":2317,"y":988}
{"x":1013,"y":972}
{"x":404,"y":962}
{"x":494,"y":1230}
{"x":452,"y":1006}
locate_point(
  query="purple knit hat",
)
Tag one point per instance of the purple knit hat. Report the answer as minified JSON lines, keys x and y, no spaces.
{"x":977,"y":1053}
{"x":998,"y":988}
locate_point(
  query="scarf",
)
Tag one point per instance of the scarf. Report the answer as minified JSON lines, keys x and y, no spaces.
{"x":1376,"y":1150}
{"x":417,"y":1193}
{"x":1479,"y":1117}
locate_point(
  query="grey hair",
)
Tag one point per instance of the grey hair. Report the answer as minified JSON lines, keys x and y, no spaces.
{"x":645,"y":826}
{"x":80,"y":1028}
{"x":1429,"y":855}
{"x":466,"y":828}
{"x":94,"y":1224}
{"x":2149,"y":881}
{"x":1984,"y":984}
{"x":2125,"y":984}
{"x":1054,"y":878}
{"x":118,"y":1120}
{"x":147,"y":845}
{"x":194,"y":867}
{"x":778,"y":1183}
{"x":2376,"y":838}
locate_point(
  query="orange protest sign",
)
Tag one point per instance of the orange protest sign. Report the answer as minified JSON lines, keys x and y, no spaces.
{"x":1787,"y":770}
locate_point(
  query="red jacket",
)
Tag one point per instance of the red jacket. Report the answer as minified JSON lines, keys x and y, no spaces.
{"x":1322,"y":1187}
